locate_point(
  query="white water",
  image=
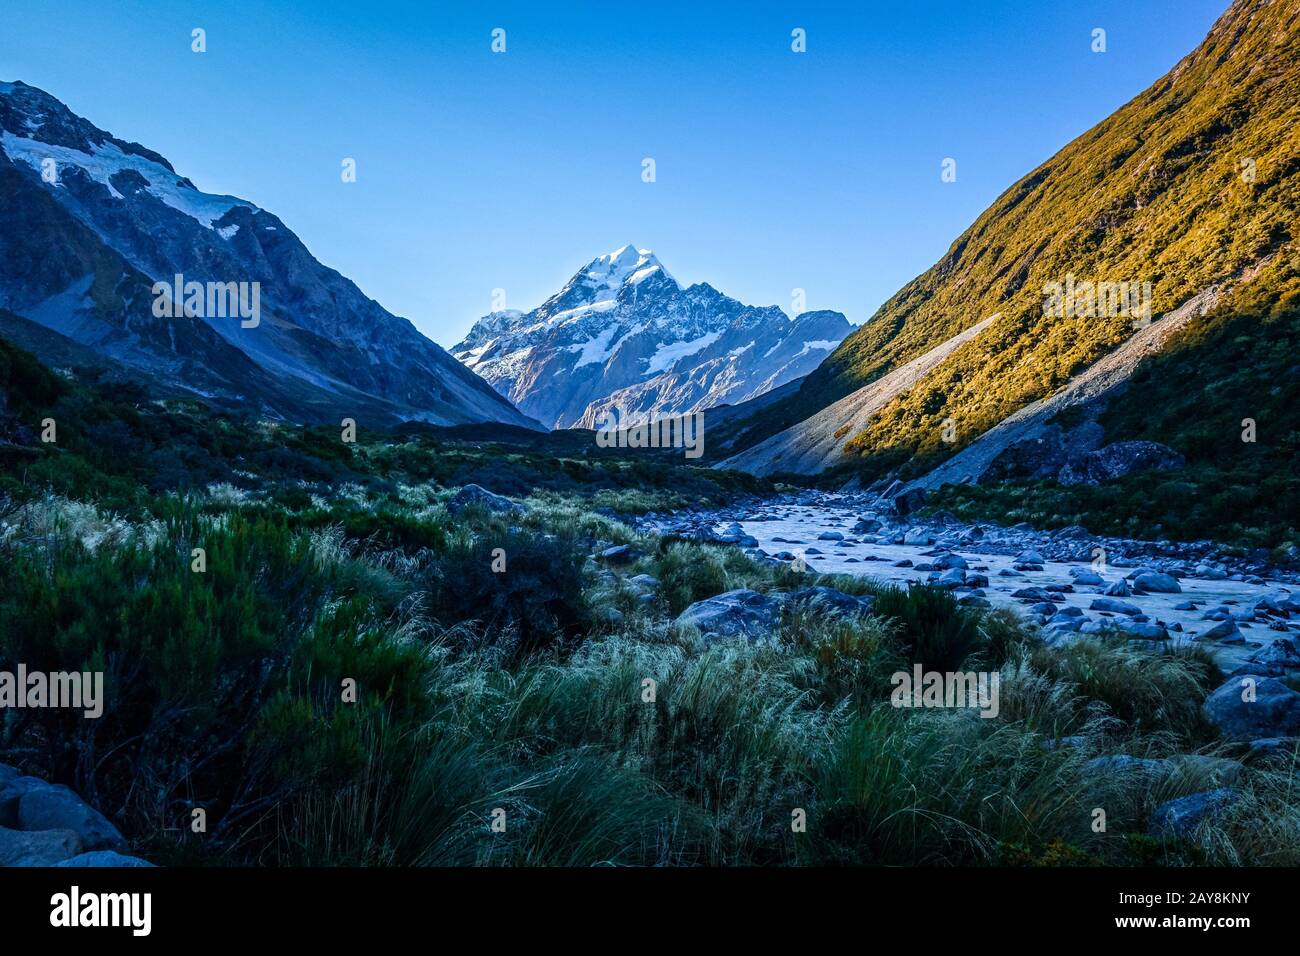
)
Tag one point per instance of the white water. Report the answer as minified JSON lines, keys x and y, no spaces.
{"x":802,"y":523}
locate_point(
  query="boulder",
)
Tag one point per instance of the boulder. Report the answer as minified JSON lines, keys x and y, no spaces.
{"x":909,"y":501}
{"x":1117,"y":589}
{"x":37,"y":848}
{"x":830,"y":536}
{"x":834,"y":601}
{"x":1157,"y":582}
{"x":1274,"y":710}
{"x":103,"y":858}
{"x":1086,"y":577}
{"x":620,"y":554}
{"x":1119,"y":459}
{"x":472,"y":496}
{"x":918,"y":536}
{"x":1123,"y":763}
{"x":735,"y":613}
{"x":1114,"y":605}
{"x":1224,"y":632}
{"x":58,"y":808}
{"x":1181,"y":817}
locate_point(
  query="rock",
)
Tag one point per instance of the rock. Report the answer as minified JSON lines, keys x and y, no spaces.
{"x":1086,"y":577}
{"x":944,"y":562}
{"x":8,"y":773}
{"x":740,"y":612}
{"x":1157,"y":582}
{"x":830,"y":536}
{"x":1114,"y":606}
{"x":1225,"y":632}
{"x":645,"y":581}
{"x":953,"y":578}
{"x":1274,"y":711}
{"x":620,"y":554}
{"x":1064,"y":622}
{"x":103,"y":858}
{"x":867,"y":526}
{"x":909,"y":501}
{"x":1035,"y":594}
{"x":918,"y":536}
{"x":1181,"y":817}
{"x":58,"y":808}
{"x":1028,"y":557}
{"x":1117,"y":589}
{"x":1123,"y":763}
{"x":1144,"y":632}
{"x":1283,"y":650}
{"x":905,"y":563}
{"x":1185,"y":606}
{"x":475,"y":496}
{"x":976,"y":580}
{"x":1119,"y":459}
{"x":37,"y":848}
{"x":1210,"y":573}
{"x":609,"y":615}
{"x":832,"y":600}
{"x":1267,"y":747}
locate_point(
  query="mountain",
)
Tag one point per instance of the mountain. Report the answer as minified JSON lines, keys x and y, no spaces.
{"x":1189,"y":195}
{"x":91,"y":224}
{"x":622,"y":332}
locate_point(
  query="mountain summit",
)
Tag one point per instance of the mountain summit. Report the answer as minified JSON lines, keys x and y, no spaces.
{"x":95,"y":232}
{"x":622,"y":332}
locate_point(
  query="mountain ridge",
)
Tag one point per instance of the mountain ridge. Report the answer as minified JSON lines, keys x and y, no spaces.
{"x":94,"y":222}
{"x":622,"y":332}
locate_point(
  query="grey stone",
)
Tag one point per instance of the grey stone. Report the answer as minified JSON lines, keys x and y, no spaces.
{"x":734,"y":613}
{"x":832,"y":600}
{"x":104,"y":858}
{"x":1158,"y":582}
{"x":58,"y":808}
{"x":1114,"y":605}
{"x":1225,"y":632}
{"x":620,"y":554}
{"x":1274,"y":711}
{"x":1181,"y":817}
{"x":477,"y":496}
{"x":37,"y":848}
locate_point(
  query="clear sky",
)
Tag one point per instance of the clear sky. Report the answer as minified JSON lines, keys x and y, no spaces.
{"x":478,"y":171}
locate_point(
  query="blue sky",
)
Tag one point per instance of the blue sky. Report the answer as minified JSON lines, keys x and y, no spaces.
{"x":478,"y":171}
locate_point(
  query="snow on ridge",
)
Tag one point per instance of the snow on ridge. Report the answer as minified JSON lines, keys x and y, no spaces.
{"x":824,"y":345}
{"x":595,"y":350}
{"x":666,"y":355}
{"x":107,"y":160}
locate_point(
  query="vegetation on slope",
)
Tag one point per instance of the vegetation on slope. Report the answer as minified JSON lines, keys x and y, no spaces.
{"x":1192,"y":184}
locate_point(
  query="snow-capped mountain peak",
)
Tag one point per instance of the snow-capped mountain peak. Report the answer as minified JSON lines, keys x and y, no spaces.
{"x":622,"y":329}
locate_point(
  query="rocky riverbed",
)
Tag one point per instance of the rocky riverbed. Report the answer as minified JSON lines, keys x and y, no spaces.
{"x":1246,"y":611}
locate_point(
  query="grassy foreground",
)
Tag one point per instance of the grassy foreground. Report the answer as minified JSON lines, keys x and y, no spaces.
{"x":344,"y":674}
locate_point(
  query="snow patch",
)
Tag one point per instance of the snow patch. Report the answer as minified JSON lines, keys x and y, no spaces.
{"x":107,"y":160}
{"x":664,"y":358}
{"x":595,"y":350}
